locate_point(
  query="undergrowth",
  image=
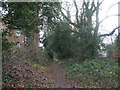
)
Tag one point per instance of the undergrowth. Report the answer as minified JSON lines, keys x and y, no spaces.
{"x":29,"y":85}
{"x":36,"y":65}
{"x":93,"y":73}
{"x":7,"y":77}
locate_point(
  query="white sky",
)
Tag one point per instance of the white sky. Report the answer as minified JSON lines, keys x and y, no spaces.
{"x":110,"y":23}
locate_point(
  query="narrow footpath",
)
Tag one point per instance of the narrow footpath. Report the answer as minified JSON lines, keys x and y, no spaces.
{"x":60,"y":80}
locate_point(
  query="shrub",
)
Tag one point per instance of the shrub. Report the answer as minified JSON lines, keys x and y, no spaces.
{"x":95,"y":73}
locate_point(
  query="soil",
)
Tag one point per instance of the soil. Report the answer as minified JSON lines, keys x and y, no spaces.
{"x":23,"y":76}
{"x":60,"y":80}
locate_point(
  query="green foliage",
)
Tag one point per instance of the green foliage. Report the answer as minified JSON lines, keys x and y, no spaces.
{"x":80,"y":41}
{"x":51,"y":11}
{"x":109,"y":50}
{"x":27,"y":17}
{"x":20,"y":16}
{"x":87,"y":46}
{"x":64,"y":43}
{"x":6,"y":47}
{"x":95,"y":73}
{"x":6,"y":77}
{"x":29,"y":85}
{"x":60,"y":41}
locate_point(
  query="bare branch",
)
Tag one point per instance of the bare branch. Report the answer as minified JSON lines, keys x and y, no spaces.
{"x":93,"y":5}
{"x":108,"y":17}
{"x":68,"y":19}
{"x":101,"y":2}
{"x":76,"y":12}
{"x":98,"y":6}
{"x":112,"y":6}
{"x":110,"y":32}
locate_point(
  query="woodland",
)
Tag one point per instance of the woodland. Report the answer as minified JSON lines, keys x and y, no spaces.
{"x":60,"y":50}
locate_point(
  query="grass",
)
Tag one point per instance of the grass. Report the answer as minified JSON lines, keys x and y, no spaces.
{"x":93,"y":73}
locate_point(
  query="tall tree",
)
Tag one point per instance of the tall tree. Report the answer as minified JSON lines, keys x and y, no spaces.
{"x":86,"y":32}
{"x":27,"y":17}
{"x":23,"y":16}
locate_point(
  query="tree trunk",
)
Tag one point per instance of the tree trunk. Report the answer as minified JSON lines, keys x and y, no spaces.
{"x":118,"y":46}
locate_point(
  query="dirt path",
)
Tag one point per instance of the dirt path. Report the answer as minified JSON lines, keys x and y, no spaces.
{"x":24,"y":76}
{"x":60,"y":80}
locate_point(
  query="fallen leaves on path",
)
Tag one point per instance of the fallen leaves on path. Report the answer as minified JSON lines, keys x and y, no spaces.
{"x":25,"y":76}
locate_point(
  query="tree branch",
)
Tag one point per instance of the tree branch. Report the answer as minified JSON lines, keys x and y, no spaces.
{"x":110,"y":32}
{"x":76,"y":12}
{"x":98,"y":5}
{"x":68,"y":19}
{"x":112,"y":6}
{"x":93,"y":5}
{"x":108,"y":17}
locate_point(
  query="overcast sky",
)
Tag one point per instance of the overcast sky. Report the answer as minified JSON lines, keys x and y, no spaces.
{"x":110,"y":23}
